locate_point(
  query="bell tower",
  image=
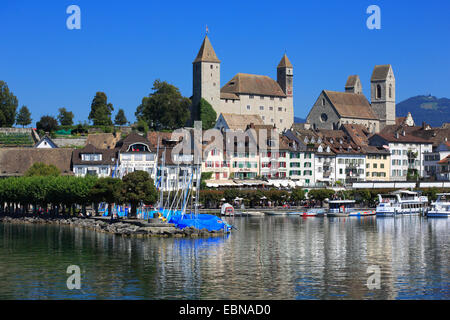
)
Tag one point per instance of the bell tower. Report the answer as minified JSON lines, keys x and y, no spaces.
{"x":383,"y":94}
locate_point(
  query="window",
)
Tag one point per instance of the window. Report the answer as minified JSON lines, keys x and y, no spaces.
{"x":211,"y":67}
{"x":382,"y":166}
{"x":261,"y":107}
{"x":323,"y":117}
{"x":280,"y":108}
{"x":248,"y":107}
{"x":262,"y":97}
{"x":378,"y":93}
{"x":390,"y":91}
{"x":270,"y":108}
{"x":272,"y":98}
{"x":138,"y":157}
{"x":323,"y":101}
{"x":251,"y":97}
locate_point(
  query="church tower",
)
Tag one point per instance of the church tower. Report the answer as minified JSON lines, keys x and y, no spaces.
{"x":383,"y":94}
{"x":285,"y":75}
{"x":206,"y":82}
{"x":353,"y":85}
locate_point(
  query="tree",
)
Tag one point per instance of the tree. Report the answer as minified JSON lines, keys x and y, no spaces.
{"x":101,"y":110}
{"x":297,"y":195}
{"x":120,"y":119}
{"x":204,"y":176}
{"x":42,"y":169}
{"x":23,"y":117}
{"x":107,"y":190}
{"x":208,"y":115}
{"x":65,"y":117}
{"x":8,"y":106}
{"x":138,"y":186}
{"x":142,"y":126}
{"x":164,"y":108}
{"x":47,"y":124}
{"x":320,"y":194}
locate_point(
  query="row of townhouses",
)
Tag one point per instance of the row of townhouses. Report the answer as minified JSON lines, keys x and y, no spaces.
{"x":250,"y":152}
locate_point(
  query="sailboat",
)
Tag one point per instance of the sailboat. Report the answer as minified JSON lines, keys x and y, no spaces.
{"x":175,"y":210}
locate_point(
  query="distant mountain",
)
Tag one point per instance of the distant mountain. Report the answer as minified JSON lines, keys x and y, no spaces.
{"x":430,"y":109}
{"x":299,"y":120}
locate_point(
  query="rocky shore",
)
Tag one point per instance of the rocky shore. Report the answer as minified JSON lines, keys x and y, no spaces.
{"x":139,"y":229}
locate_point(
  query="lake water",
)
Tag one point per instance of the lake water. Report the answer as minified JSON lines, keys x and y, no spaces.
{"x":266,"y":258}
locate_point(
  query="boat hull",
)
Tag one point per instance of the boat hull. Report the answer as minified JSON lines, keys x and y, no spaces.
{"x":438,"y":214}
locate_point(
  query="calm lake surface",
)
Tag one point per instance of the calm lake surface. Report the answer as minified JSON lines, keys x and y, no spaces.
{"x":267,"y":258}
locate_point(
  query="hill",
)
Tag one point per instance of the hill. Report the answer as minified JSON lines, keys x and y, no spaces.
{"x":299,"y":120}
{"x":430,"y":109}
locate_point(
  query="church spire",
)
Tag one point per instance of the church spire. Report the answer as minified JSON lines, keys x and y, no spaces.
{"x":206,"y":53}
{"x":285,"y":63}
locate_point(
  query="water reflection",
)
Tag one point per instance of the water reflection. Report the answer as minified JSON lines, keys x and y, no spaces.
{"x":267,"y":258}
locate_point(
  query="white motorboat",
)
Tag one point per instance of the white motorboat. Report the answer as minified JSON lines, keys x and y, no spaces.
{"x":255,"y":214}
{"x":401,"y":202}
{"x":441,"y":207}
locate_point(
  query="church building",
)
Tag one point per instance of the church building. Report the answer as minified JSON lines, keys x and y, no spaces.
{"x":333,"y":109}
{"x":244,"y":94}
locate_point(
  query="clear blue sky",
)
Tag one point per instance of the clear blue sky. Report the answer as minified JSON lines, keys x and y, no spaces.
{"x":124,"y":46}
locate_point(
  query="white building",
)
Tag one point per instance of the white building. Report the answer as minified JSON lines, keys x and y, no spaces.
{"x":407,"y":151}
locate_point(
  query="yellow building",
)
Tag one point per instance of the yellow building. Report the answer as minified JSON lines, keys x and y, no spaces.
{"x":378,"y":164}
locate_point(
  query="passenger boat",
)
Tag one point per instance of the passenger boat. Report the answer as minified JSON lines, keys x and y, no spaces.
{"x":441,"y":207}
{"x":340,"y":208}
{"x":401,"y":202}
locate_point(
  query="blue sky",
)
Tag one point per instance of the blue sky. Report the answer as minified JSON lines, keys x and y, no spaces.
{"x":123,"y":46}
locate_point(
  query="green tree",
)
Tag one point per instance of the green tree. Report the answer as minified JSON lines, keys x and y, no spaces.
{"x":107,"y":190}
{"x":41,"y":169}
{"x":138,"y":186}
{"x":120,"y":119}
{"x":164,"y":108}
{"x":101,"y":110}
{"x":47,"y":124}
{"x":297,"y":195}
{"x":8,"y":106}
{"x":142,"y":126}
{"x":208,"y":115}
{"x":65,"y":117}
{"x":204,"y":176}
{"x":320,"y":194}
{"x":23,"y":117}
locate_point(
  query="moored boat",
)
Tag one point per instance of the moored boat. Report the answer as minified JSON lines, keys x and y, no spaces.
{"x":314,"y":212}
{"x":340,"y":208}
{"x":401,"y":202}
{"x":441,"y":207}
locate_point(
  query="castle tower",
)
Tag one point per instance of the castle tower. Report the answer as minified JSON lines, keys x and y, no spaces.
{"x":206,"y":82}
{"x":285,"y":75}
{"x":383,"y":94}
{"x":353,"y":85}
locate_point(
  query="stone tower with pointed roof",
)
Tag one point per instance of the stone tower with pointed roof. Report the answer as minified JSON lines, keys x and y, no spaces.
{"x":285,"y":75}
{"x":206,"y":82}
{"x":383,"y":94}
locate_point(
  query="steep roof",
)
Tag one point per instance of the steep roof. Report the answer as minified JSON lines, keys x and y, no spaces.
{"x":285,"y":63}
{"x":400,"y":134}
{"x":206,"y":52}
{"x":352,"y":105}
{"x":16,"y":161}
{"x":131,"y":139}
{"x":253,"y":84}
{"x":108,"y":156}
{"x":47,"y":139}
{"x":358,"y":133}
{"x":103,"y":140}
{"x":351,"y":81}
{"x":241,"y":121}
{"x":380,"y":72}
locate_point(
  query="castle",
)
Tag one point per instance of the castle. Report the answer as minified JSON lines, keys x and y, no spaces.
{"x":244,"y":94}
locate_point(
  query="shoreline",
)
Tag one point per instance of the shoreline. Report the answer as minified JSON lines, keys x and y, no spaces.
{"x":137,"y":229}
